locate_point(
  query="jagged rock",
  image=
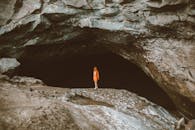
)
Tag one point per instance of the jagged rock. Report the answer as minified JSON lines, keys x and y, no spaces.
{"x":192,"y":9}
{"x":28,"y":7}
{"x":76,"y":3}
{"x":6,"y":10}
{"x":26,"y":80}
{"x":159,"y":39}
{"x":74,"y":109}
{"x":190,"y":125}
{"x":8,"y":64}
{"x":162,"y":3}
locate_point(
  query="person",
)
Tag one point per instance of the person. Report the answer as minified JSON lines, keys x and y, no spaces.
{"x":96,"y":77}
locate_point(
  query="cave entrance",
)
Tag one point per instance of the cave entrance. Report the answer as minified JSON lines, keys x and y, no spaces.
{"x":75,"y":71}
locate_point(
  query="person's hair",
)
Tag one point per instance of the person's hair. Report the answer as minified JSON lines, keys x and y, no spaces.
{"x":95,"y":68}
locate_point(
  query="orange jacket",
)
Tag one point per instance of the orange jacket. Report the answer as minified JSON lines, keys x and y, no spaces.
{"x":96,"y":75}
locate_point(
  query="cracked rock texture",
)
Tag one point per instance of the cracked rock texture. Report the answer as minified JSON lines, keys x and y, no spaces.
{"x":26,"y":103}
{"x":157,"y":35}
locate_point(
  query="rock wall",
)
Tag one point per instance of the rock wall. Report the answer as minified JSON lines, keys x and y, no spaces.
{"x":157,"y":35}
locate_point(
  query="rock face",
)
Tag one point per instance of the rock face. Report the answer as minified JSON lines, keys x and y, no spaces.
{"x":7,"y":64}
{"x":40,"y":107}
{"x":157,"y":35}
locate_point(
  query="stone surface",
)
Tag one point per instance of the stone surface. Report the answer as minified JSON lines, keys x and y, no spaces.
{"x":190,"y":125}
{"x":40,"y":107}
{"x":8,"y":64}
{"x":157,"y":35}
{"x":6,"y":10}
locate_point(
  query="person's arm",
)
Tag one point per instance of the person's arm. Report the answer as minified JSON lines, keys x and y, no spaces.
{"x":98,"y":75}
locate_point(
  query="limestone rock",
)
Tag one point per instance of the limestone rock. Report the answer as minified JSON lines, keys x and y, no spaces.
{"x":6,"y":10}
{"x":162,"y":3}
{"x":8,"y":64}
{"x":43,"y":107}
{"x":26,"y":80}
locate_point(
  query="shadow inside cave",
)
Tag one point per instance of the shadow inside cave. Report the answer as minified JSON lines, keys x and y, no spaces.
{"x":76,"y":72}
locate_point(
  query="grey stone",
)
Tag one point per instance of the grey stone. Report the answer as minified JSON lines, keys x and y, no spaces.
{"x":8,"y":64}
{"x":93,"y":109}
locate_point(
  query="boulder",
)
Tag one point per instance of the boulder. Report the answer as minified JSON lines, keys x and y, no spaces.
{"x":40,"y":107}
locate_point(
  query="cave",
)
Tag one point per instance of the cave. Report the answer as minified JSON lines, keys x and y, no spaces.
{"x":75,"y":71}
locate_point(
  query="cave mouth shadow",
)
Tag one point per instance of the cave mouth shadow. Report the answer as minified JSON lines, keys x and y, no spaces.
{"x":76,"y":72}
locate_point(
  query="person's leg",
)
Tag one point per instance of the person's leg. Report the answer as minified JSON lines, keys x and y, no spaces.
{"x":96,"y":85}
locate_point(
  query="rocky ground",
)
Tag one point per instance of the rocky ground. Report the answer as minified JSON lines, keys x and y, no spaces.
{"x":26,"y":103}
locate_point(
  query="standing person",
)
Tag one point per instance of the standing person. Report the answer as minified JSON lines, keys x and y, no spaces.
{"x":96,"y":77}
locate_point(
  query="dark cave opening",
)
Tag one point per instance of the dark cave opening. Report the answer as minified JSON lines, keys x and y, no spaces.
{"x":75,"y":71}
